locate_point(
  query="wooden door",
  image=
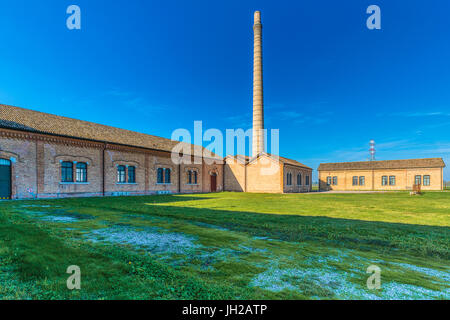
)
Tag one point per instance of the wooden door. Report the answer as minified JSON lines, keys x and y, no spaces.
{"x":213,"y":182}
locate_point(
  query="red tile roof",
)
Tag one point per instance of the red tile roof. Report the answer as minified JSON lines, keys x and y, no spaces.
{"x":35,"y":121}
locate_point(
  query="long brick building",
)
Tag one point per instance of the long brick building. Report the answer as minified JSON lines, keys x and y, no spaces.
{"x":44,"y":155}
{"x":49,"y":156}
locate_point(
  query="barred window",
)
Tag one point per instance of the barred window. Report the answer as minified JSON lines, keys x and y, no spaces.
{"x":121,"y":174}
{"x":418,"y":179}
{"x":384,"y":180}
{"x":66,"y":171}
{"x":362,"y":181}
{"x":392,"y":180}
{"x":131,"y":174}
{"x":81,"y":172}
{"x":426,"y":180}
{"x":335,"y":181}
{"x":355,"y":181}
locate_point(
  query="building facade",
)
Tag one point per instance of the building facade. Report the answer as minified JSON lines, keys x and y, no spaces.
{"x":390,"y":175}
{"x":266,"y":174}
{"x":47,"y":156}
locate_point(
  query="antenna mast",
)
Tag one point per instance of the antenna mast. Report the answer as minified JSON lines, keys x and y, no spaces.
{"x":372,"y":150}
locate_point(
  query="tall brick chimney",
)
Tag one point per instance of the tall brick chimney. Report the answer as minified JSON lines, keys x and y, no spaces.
{"x":258,"y":105}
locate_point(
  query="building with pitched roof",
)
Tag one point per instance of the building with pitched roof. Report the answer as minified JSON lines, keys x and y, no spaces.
{"x":46,"y":156}
{"x":266,"y":173}
{"x":382,"y":175}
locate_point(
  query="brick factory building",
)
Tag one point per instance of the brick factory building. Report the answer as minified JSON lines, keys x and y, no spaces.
{"x":387,"y":175}
{"x":44,"y":155}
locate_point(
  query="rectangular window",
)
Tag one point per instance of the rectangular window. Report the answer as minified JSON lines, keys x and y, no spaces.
{"x":335,"y":181}
{"x":392,"y":180}
{"x":362,"y":181}
{"x":426,"y":180}
{"x":67,"y":171}
{"x":299,"y":179}
{"x":328,"y":181}
{"x":307,"y":180}
{"x":384,"y":180}
{"x":160,"y":175}
{"x":167,"y":175}
{"x":418,"y":180}
{"x":121,"y":174}
{"x":131,"y":174}
{"x":355,"y":181}
{"x":81,"y":172}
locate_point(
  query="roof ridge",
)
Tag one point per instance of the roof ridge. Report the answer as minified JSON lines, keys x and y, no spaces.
{"x":19,"y":118}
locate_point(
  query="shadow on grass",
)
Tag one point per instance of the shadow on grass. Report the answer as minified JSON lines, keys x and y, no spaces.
{"x":377,"y":236}
{"x":419,"y":240}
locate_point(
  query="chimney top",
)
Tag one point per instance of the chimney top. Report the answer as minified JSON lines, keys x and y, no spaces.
{"x":257,"y":17}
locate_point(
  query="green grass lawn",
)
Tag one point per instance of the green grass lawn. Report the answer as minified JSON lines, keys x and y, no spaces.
{"x":228,"y":246}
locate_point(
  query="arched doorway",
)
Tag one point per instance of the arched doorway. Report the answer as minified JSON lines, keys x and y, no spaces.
{"x":213,"y":182}
{"x":5,"y":179}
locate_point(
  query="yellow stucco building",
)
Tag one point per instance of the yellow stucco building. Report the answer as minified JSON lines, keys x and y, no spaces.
{"x":266,"y":174}
{"x":382,"y":175}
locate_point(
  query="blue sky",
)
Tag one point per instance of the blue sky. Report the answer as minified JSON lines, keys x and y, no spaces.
{"x":330,"y":84}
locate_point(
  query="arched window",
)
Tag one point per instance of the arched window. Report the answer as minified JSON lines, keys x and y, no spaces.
{"x":121,"y":174}
{"x":66,"y":171}
{"x":131,"y":174}
{"x":192,"y":177}
{"x":81,"y":172}
{"x":163,"y":175}
{"x":307,"y":180}
{"x":299,"y":179}
{"x":289,"y":179}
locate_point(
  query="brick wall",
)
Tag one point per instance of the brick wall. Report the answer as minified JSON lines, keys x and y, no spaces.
{"x":36,"y":168}
{"x":23,"y":164}
{"x":294,"y":187}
